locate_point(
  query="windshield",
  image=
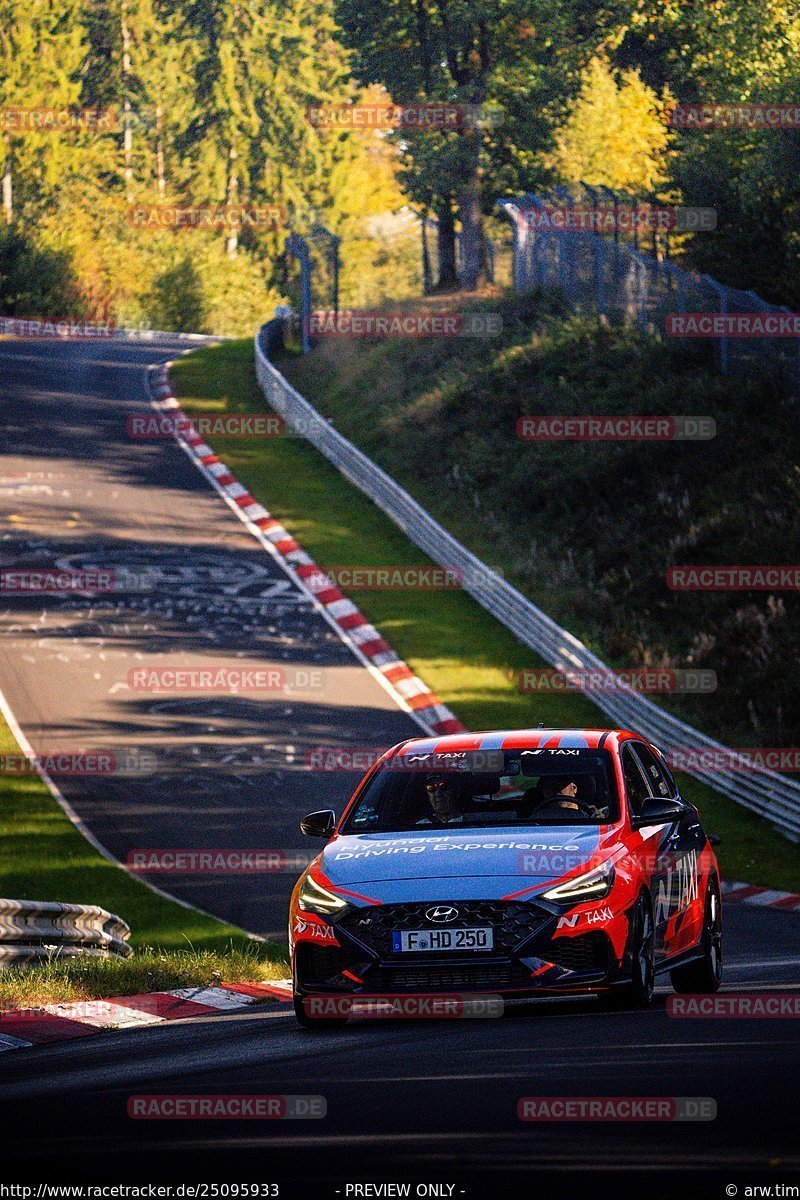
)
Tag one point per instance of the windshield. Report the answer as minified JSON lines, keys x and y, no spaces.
{"x":474,"y":790}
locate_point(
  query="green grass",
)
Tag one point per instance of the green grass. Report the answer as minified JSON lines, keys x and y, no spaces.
{"x":464,"y":654}
{"x":589,"y":530}
{"x":43,"y":857}
{"x":87,"y":978}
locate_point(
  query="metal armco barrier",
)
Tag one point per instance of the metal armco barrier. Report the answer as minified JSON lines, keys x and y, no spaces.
{"x":766,"y":792}
{"x":31,"y":930}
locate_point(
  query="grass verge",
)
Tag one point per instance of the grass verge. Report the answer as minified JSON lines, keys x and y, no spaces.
{"x":464,"y":654}
{"x":146,"y":970}
{"x":589,"y":529}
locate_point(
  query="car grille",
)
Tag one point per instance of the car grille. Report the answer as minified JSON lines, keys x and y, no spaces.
{"x":321,"y":964}
{"x":513,"y":923}
{"x":439,"y":978}
{"x":584,"y":954}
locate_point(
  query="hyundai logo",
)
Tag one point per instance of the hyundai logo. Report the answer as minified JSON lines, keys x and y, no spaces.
{"x":442,"y":914}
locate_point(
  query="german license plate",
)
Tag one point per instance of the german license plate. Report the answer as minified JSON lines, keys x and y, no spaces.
{"x":442,"y":939}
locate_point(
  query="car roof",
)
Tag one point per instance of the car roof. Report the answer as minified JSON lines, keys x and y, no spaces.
{"x":513,"y":739}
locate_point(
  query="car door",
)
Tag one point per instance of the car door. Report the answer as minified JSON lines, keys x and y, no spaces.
{"x":675,"y":880}
{"x":654,"y":864}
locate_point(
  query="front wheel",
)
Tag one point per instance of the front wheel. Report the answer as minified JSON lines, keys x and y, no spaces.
{"x":317,"y":1023}
{"x":304,"y":1012}
{"x":637,"y":992}
{"x":704,"y":975}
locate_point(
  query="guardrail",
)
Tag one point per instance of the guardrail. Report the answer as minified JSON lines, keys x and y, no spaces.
{"x":765,"y":792}
{"x":31,"y":930}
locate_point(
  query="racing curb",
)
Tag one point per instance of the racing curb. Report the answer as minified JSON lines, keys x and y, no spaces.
{"x":409,"y":691}
{"x":24,"y":1027}
{"x":748,"y":893}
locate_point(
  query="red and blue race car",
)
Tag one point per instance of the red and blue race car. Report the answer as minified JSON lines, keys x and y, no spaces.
{"x":521,"y":863}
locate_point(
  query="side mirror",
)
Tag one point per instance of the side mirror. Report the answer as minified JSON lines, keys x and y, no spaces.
{"x":657,"y":810}
{"x":319,"y":824}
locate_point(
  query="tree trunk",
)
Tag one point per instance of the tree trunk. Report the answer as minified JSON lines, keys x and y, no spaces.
{"x":127,"y":132}
{"x":161,"y":174}
{"x":474,"y":262}
{"x":8,"y":186}
{"x":427,"y":275}
{"x":232,"y":242}
{"x":448,"y":275}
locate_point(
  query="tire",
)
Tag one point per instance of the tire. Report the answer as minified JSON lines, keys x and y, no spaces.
{"x":704,"y":975}
{"x":319,"y":1024}
{"x":637,"y":992}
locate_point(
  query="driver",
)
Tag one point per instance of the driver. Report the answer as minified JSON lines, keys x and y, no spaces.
{"x":442,"y":796}
{"x":560,"y":791}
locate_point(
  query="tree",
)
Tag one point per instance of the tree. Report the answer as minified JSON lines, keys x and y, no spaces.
{"x":41,"y":54}
{"x":615,"y":134}
{"x":516,"y":60}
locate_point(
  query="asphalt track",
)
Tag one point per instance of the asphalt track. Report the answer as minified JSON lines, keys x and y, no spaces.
{"x":432,"y":1100}
{"x":425,"y":1102}
{"x":191,"y":589}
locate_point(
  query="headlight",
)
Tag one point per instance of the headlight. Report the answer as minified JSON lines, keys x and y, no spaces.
{"x":314,"y":897}
{"x":593,"y":885}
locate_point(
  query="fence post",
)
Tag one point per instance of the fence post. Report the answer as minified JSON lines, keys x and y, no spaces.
{"x":298,"y":246}
{"x":677,"y":277}
{"x":722,"y":292}
{"x":534,"y":241}
{"x":599,"y":252}
{"x":319,"y":232}
{"x":615,"y":200}
{"x":519,"y":252}
{"x":427,"y":274}
{"x":568,"y":238}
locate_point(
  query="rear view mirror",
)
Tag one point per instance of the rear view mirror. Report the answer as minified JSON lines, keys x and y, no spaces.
{"x":319,"y":824}
{"x":657,"y":811}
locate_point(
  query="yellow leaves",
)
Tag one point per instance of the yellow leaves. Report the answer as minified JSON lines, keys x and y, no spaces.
{"x":614,"y":134}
